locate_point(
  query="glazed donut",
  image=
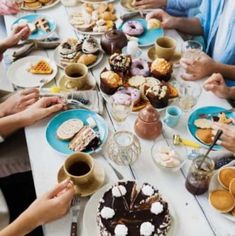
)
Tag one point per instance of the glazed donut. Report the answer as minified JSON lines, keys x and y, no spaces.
{"x":133,"y":28}
{"x":126,"y":96}
{"x":140,"y":67}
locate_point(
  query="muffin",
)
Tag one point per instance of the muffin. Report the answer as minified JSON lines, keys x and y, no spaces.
{"x":161,"y":69}
{"x":110,"y":82}
{"x":120,"y":63}
{"x":158,"y":95}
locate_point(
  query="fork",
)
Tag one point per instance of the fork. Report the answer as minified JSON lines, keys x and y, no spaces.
{"x":75,"y":209}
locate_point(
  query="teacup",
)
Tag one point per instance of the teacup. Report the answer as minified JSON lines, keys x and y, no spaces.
{"x":76,"y":75}
{"x":172,"y":116}
{"x":165,"y":47}
{"x":79,"y":167}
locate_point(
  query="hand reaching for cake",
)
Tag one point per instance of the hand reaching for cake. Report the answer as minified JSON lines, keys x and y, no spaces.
{"x":8,"y":7}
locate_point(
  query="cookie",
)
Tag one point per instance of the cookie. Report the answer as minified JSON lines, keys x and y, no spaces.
{"x":232,"y":187}
{"x":225,"y":176}
{"x":204,"y":135}
{"x":69,"y":128}
{"x":203,"y":123}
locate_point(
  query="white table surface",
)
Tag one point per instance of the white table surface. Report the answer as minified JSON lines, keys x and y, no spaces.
{"x":194,"y":215}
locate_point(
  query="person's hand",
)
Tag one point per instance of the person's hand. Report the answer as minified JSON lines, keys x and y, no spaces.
{"x":150,"y":4}
{"x":197,"y":68}
{"x":19,"y":101}
{"x":41,"y":109}
{"x":216,"y":85}
{"x":167,"y":21}
{"x":227,"y":140}
{"x":8,"y":7}
{"x":52,"y":205}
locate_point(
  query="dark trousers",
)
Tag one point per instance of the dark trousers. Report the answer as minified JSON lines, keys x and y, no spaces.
{"x":19,"y":192}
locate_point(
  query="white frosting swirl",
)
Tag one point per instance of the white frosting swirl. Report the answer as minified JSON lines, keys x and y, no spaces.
{"x":107,"y":213}
{"x":119,"y":191}
{"x":147,"y":190}
{"x":146,"y":229}
{"x":120,"y":230}
{"x":156,"y":208}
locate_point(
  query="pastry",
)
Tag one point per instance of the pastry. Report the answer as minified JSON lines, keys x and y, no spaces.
{"x":44,"y":1}
{"x":224,"y":119}
{"x":153,"y":24}
{"x":225,"y":176}
{"x":68,"y":129}
{"x":172,"y":91}
{"x":133,"y":28}
{"x":203,"y":123}
{"x":136,"y":81}
{"x":85,"y":139}
{"x":110,"y":82}
{"x":120,"y":63}
{"x":158,"y":95}
{"x":41,"y":67}
{"x":204,"y":135}
{"x":232,"y":187}
{"x":33,"y":5}
{"x":222,"y":201}
{"x":90,"y":45}
{"x":161,"y":69}
{"x":87,"y":59}
{"x":128,"y":209}
{"x":139,"y":67}
{"x":42,"y":24}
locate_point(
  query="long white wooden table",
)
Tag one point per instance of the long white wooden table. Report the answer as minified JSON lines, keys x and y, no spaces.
{"x":194,"y":215}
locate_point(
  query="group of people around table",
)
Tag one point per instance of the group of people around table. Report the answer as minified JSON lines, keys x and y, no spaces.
{"x":212,"y":19}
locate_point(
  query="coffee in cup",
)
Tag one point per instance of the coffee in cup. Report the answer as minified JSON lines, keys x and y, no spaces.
{"x":165,"y":47}
{"x":76,"y":76}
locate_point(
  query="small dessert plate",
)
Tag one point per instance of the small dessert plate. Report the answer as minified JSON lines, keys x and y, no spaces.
{"x":46,"y":6}
{"x":215,"y":185}
{"x":90,"y":188}
{"x":38,"y":34}
{"x":18,"y":72}
{"x":90,"y":84}
{"x":152,"y":56}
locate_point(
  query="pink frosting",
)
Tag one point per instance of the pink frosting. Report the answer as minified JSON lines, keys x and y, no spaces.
{"x":140,"y":67}
{"x":133,"y":28}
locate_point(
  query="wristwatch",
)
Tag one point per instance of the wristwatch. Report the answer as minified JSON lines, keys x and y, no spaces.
{"x":1,"y":139}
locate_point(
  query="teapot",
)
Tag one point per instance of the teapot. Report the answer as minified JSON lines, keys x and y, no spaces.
{"x":113,"y":41}
{"x":148,"y":124}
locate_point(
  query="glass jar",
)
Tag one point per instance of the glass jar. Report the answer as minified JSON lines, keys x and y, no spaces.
{"x":123,"y":148}
{"x":198,"y":180}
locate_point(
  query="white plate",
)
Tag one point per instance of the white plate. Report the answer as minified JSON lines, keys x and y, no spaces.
{"x":42,"y":8}
{"x":89,"y":217}
{"x":214,"y":185}
{"x":57,"y":59}
{"x":97,"y":1}
{"x":19,"y":75}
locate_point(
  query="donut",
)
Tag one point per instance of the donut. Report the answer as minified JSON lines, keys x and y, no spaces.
{"x":133,"y":28}
{"x":126,"y":96}
{"x":140,"y":67}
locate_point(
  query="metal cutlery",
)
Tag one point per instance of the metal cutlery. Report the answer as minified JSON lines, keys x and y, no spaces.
{"x":75,"y":210}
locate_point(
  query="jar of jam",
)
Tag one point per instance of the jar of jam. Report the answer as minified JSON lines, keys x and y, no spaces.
{"x":198,"y":177}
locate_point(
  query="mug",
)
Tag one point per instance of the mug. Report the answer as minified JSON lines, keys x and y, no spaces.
{"x":76,"y":75}
{"x":165,"y":47}
{"x":79,"y":167}
{"x":172,"y":116}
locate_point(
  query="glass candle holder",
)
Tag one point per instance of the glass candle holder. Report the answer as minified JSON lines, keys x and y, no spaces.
{"x":198,"y":180}
{"x":123,"y":148}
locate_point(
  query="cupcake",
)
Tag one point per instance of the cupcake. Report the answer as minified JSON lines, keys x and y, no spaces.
{"x":110,"y":82}
{"x":120,"y":63}
{"x":161,"y":69}
{"x":158,"y":95}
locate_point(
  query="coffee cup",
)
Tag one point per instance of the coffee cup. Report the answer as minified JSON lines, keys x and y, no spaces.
{"x":76,"y":76}
{"x":79,"y":167}
{"x":172,"y":116}
{"x":165,"y":47}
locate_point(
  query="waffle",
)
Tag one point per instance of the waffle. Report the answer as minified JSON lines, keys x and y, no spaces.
{"x":41,"y":67}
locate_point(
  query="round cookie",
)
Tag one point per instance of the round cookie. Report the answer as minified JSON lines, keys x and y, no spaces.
{"x":225,"y":176}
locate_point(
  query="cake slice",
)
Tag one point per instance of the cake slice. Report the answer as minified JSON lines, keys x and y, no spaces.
{"x":41,"y":67}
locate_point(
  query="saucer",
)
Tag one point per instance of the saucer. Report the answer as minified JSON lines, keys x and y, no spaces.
{"x":90,"y":84}
{"x":90,"y":188}
{"x":152,"y":56}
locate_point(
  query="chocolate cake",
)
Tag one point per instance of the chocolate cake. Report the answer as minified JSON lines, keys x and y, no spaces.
{"x":126,"y":209}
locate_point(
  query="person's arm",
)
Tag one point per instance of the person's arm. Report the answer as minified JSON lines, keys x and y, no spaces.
{"x":182,"y":5}
{"x":228,"y":71}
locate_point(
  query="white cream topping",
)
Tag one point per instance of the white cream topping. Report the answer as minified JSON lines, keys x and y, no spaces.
{"x":120,"y":230}
{"x":119,"y":191}
{"x":156,"y":208}
{"x":107,"y":213}
{"x":146,"y":229}
{"x":147,"y":190}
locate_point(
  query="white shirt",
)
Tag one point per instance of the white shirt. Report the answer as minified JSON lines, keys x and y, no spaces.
{"x":224,"y":22}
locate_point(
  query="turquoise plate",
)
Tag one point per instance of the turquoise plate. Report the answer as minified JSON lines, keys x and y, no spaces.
{"x":149,"y":37}
{"x":39,"y":34}
{"x":205,"y":111}
{"x":62,"y":146}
